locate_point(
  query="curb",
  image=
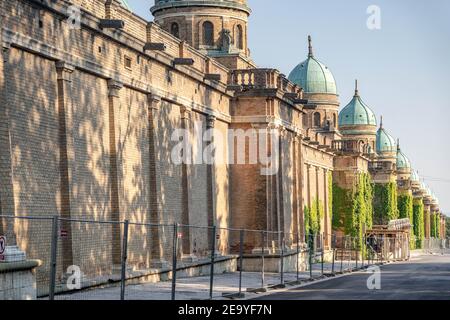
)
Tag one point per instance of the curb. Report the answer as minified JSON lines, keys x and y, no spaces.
{"x":262,"y":292}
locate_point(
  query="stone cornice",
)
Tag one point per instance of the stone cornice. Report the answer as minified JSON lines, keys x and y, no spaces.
{"x":204,"y":3}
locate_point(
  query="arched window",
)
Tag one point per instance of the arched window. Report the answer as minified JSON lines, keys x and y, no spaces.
{"x":239,"y":37}
{"x":175,"y":30}
{"x":335,"y":123}
{"x":208,"y":34}
{"x":317,"y":119}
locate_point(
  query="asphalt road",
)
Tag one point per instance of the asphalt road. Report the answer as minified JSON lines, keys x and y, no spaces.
{"x":423,"y":278}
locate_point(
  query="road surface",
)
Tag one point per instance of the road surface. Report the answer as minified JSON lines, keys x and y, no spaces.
{"x":423,"y":278}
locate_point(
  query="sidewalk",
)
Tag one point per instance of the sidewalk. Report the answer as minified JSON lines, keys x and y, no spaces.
{"x":197,"y":288}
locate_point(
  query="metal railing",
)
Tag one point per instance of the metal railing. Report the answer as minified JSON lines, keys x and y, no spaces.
{"x":111,"y":260}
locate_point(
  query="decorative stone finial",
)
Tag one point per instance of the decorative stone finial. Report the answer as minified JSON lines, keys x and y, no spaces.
{"x":310,"y":48}
{"x":356,"y":88}
{"x":381,"y":122}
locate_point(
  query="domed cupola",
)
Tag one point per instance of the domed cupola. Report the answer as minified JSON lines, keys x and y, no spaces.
{"x":313,"y":76}
{"x":403,"y":162}
{"x":357,"y":117}
{"x":414,"y":176}
{"x":386,"y":144}
{"x":415,"y":181}
{"x":125,"y":4}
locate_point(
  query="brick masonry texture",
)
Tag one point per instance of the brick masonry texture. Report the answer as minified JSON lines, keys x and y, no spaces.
{"x":85,"y":136}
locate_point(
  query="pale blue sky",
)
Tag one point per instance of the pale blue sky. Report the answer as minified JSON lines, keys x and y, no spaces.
{"x":403,"y":69}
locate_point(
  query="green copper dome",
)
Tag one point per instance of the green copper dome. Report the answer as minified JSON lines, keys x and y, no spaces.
{"x":357,"y":113}
{"x":385,"y":142}
{"x":313,"y":76}
{"x":125,"y":4}
{"x":402,"y":160}
{"x":414,"y":176}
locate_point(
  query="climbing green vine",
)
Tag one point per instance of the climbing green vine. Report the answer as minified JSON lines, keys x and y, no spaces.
{"x":313,"y":216}
{"x":418,"y":222}
{"x":435,"y":230}
{"x":385,"y":203}
{"x":405,"y":211}
{"x":353,"y":208}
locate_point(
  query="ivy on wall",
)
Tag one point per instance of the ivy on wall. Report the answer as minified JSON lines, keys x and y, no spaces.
{"x":330,"y":194}
{"x":418,"y":222}
{"x":354,"y":208}
{"x":313,"y":217}
{"x":385,"y":203}
{"x":433,"y":226}
{"x":405,"y":211}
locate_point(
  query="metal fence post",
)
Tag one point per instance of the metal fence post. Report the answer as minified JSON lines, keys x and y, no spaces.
{"x":310,"y":253}
{"x":356,"y":252}
{"x":282,"y":259}
{"x":333,"y":249}
{"x":298,"y":257}
{"x":322,"y":245}
{"x":241,"y":258}
{"x":54,"y":254}
{"x":123,"y":275}
{"x":262,"y":257}
{"x":174,"y":259}
{"x":343,"y":244}
{"x":213,"y":256}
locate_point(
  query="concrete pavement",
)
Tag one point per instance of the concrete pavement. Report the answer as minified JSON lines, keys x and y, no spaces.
{"x":422,"y":278}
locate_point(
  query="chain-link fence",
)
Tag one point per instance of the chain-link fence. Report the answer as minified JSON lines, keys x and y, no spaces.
{"x":111,"y":260}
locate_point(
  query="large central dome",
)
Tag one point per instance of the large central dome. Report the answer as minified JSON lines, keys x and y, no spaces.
{"x":313,"y":76}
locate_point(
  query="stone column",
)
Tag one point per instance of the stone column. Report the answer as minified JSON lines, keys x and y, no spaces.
{"x":308,"y":183}
{"x":186,"y":187}
{"x":64,"y":78}
{"x":114,"y":88}
{"x":427,"y":221}
{"x":279,"y":185}
{"x":155,"y":215}
{"x":211,"y":182}
{"x":7,"y":206}
{"x":295,"y":203}
{"x":301,"y":204}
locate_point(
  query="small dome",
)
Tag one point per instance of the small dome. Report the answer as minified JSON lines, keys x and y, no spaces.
{"x":313,"y":76}
{"x":402,"y":160}
{"x":125,"y":4}
{"x":357,"y":113}
{"x":385,"y":142}
{"x":414,"y":176}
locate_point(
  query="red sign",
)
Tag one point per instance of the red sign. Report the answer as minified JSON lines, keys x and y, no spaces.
{"x":179,"y":235}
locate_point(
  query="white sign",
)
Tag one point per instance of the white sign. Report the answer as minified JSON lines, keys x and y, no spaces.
{"x":2,"y":244}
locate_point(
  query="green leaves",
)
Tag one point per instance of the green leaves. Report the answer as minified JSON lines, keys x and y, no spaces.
{"x":353,"y":208}
{"x":418,"y":221}
{"x":385,"y":203}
